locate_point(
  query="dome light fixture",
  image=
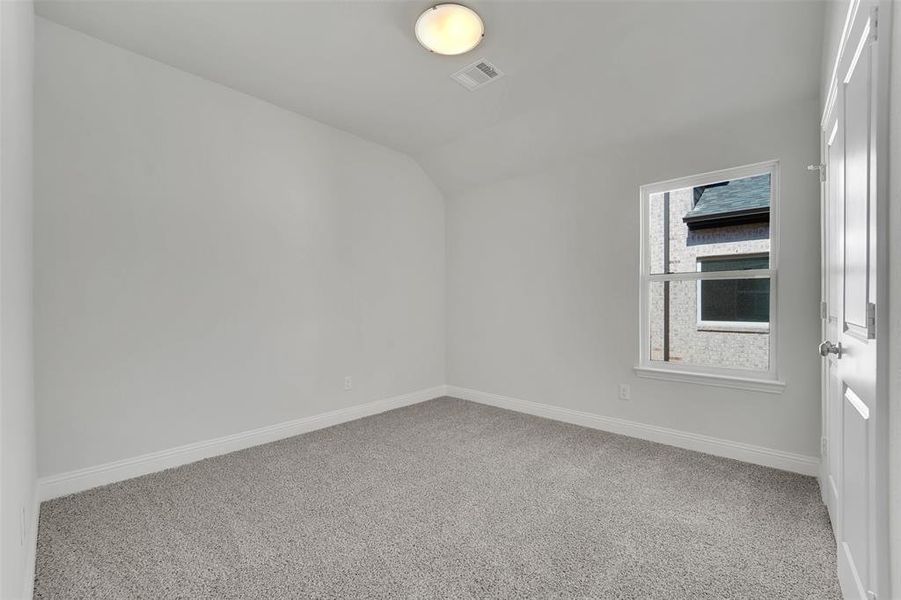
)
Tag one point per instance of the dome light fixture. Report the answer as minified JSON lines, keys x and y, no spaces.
{"x":449,"y":29}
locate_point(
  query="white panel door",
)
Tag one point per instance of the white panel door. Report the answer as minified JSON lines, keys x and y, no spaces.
{"x":850,"y":392}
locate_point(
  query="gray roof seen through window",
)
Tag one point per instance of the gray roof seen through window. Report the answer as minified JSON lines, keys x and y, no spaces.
{"x":738,"y":195}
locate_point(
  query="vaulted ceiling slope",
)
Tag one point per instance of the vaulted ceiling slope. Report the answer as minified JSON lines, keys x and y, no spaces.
{"x":578,"y":75}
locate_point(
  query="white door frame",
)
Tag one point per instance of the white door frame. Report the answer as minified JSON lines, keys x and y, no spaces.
{"x":876,"y":13}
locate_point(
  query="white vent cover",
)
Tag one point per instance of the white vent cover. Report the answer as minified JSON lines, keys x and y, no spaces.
{"x":476,"y":75}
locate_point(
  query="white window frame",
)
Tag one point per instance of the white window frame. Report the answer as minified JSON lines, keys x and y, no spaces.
{"x":756,"y":380}
{"x":728,"y":326}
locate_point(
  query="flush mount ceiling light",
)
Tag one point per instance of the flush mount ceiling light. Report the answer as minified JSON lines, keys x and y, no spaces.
{"x":449,"y":29}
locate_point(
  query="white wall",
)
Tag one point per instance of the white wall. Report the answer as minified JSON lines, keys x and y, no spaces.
{"x":208,"y":263}
{"x":543,"y":283}
{"x":834,"y":20}
{"x":17,"y":432}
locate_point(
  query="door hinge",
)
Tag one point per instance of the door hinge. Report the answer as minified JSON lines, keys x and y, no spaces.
{"x":822,"y":171}
{"x":824,"y":447}
{"x":871,"y":320}
{"x":824,"y":311}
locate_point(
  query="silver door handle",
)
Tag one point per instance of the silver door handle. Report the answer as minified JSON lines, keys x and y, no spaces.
{"x":827,"y":348}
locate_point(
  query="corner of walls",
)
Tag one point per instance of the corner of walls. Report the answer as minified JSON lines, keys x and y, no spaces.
{"x":444,"y":196}
{"x":31,"y":539}
{"x":18,"y":504}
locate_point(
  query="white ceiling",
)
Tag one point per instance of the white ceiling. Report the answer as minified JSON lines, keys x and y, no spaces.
{"x":578,"y":74}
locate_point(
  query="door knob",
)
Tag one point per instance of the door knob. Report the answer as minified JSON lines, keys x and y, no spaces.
{"x":827,"y":348}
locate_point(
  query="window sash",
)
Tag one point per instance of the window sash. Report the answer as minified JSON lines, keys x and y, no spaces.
{"x":740,"y":373}
{"x":701,"y":275}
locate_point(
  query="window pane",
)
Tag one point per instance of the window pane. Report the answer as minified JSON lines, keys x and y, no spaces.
{"x":677,"y":335}
{"x":737,"y":300}
{"x":720,"y":219}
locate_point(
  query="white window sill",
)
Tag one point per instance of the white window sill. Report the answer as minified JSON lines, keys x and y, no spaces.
{"x":733,"y":327}
{"x":769,"y":386}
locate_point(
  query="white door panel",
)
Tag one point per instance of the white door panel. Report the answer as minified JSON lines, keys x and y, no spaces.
{"x":857,"y":134}
{"x":855,"y":483}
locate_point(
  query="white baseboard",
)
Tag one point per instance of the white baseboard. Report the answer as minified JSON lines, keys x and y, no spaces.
{"x":787,"y":461}
{"x":72,"y":482}
{"x":63,"y":484}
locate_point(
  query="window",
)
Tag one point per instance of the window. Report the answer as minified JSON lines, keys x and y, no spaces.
{"x":736,"y":304}
{"x":708,"y":278}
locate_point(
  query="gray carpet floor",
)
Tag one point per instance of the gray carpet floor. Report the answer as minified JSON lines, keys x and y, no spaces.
{"x":444,"y":499}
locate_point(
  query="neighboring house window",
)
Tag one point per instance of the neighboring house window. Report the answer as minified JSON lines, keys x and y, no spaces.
{"x":708,"y":274}
{"x":734,"y":304}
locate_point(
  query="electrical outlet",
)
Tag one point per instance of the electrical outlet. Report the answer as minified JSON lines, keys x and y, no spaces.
{"x":625,"y":392}
{"x":348,"y":383}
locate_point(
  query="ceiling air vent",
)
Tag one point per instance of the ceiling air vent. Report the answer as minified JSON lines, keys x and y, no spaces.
{"x":476,"y":75}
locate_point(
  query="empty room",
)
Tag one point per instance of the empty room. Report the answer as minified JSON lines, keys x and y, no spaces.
{"x":490,"y":299}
